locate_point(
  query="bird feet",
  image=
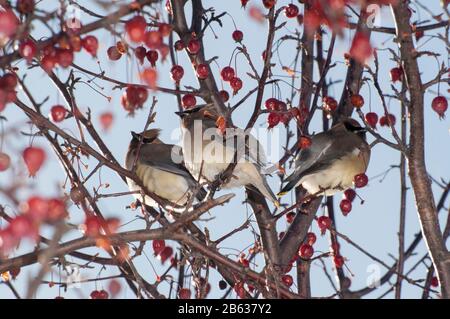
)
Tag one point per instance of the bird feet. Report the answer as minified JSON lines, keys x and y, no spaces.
{"x":219,"y":180}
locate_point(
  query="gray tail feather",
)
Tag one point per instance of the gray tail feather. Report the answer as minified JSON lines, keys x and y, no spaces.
{"x":269,"y":170}
{"x":268,"y":190}
{"x":286,"y":188}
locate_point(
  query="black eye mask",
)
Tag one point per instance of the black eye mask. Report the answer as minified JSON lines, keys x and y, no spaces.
{"x":146,"y":140}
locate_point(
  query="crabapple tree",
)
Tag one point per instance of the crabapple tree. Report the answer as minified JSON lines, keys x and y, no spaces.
{"x":76,"y":77}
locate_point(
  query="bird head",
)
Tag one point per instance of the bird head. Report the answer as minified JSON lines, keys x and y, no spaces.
{"x":202,"y":112}
{"x":149,"y":136}
{"x":353,"y":126}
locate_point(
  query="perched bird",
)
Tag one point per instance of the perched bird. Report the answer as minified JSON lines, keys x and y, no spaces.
{"x":160,"y":168}
{"x":208,"y":153}
{"x":330,"y":164}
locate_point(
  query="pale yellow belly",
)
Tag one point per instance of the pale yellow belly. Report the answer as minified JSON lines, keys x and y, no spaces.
{"x":336,"y":178}
{"x":164,"y":184}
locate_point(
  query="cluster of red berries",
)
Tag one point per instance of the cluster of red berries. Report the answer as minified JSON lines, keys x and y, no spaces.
{"x":330,"y":13}
{"x":278,"y":112}
{"x":228,"y":75}
{"x":8,"y":83}
{"x":193,"y":46}
{"x":116,"y":51}
{"x":136,"y":29}
{"x":162,"y":251}
{"x":34,"y":212}
{"x":93,"y":225}
{"x":371,"y":119}
{"x":61,"y":51}
{"x":153,"y":39}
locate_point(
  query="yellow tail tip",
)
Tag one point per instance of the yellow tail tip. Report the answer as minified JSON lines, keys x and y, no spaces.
{"x":277,"y":204}
{"x":280,"y":194}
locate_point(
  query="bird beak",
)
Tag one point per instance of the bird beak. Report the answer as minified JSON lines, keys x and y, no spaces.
{"x":135,"y":135}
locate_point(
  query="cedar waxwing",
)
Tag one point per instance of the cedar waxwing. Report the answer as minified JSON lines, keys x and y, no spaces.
{"x":161,"y":170}
{"x":208,"y":153}
{"x":330,"y":164}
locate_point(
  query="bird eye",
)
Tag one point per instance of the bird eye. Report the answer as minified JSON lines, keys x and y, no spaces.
{"x":353,"y":128}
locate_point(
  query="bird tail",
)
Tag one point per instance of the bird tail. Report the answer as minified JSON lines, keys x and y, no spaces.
{"x":265,"y":189}
{"x":286,"y":188}
{"x":201,"y":194}
{"x":269,"y":170}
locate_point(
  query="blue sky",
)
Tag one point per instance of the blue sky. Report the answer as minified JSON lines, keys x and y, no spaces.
{"x":373,"y":225}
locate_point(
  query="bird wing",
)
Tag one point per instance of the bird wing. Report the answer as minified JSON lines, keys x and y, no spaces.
{"x":169,"y":159}
{"x":164,"y":157}
{"x":248,"y":147}
{"x":323,"y":151}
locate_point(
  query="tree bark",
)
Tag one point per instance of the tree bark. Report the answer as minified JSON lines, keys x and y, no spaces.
{"x":417,"y":171}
